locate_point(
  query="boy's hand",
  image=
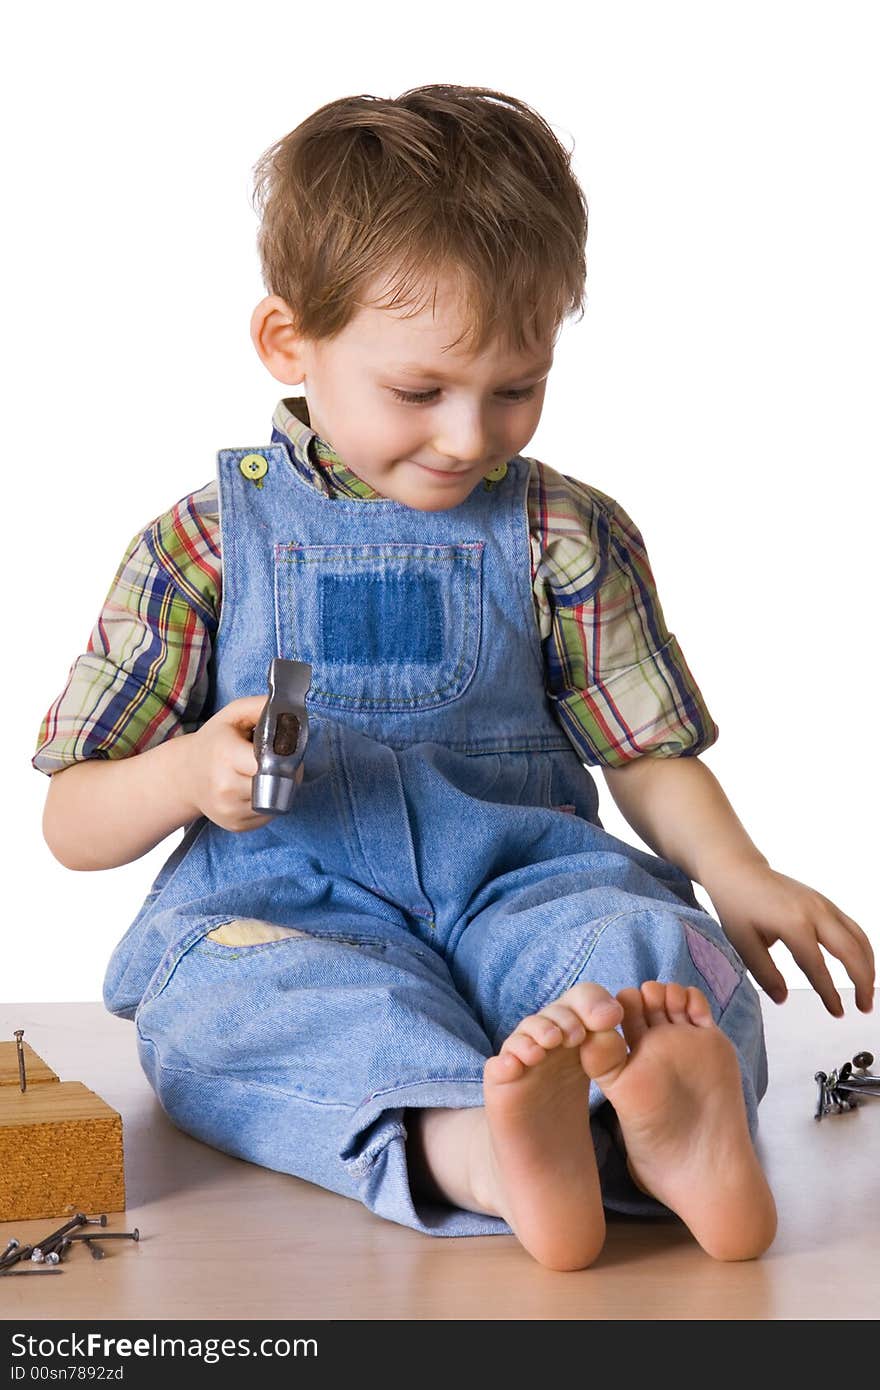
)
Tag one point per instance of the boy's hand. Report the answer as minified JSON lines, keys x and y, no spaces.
{"x":757,"y":906}
{"x":221,"y":765}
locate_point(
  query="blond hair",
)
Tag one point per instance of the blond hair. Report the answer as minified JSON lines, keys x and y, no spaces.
{"x":443,"y":180}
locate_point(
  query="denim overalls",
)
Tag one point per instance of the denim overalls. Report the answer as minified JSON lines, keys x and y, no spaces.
{"x":443,"y":871}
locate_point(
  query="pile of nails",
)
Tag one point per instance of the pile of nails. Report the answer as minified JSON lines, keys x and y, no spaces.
{"x":847,"y":1086}
{"x":52,"y":1249}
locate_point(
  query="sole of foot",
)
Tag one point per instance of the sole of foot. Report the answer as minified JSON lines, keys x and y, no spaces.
{"x":682,"y":1117}
{"x":539,"y":1165}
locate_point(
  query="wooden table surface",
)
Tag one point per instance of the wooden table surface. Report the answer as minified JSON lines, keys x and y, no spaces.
{"x":223,"y":1239}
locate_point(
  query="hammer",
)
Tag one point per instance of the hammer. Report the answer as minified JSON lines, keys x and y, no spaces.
{"x":280,"y":736}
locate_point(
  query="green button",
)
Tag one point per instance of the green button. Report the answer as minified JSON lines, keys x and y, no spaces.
{"x":254,"y":467}
{"x":497,"y":474}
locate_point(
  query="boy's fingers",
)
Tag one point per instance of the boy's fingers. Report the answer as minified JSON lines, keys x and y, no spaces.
{"x":837,"y":938}
{"x":245,"y":712}
{"x":812,"y":962}
{"x":759,"y":962}
{"x":855,"y":930}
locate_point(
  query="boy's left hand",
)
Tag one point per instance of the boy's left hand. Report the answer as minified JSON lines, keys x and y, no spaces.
{"x":757,"y":906}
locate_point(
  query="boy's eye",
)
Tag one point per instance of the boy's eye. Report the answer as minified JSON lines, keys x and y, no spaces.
{"x":422,"y":397}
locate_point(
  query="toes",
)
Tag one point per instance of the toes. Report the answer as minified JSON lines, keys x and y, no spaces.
{"x":633,"y":1005}
{"x":595,"y":1007}
{"x":672,"y":1003}
{"x":584,"y":1009}
{"x":503,"y":1068}
{"x":526,"y":1048}
{"x":603,"y":1057}
{"x":542,"y":1028}
{"x":654,"y":995}
{"x":699,"y":1009}
{"x":573,"y":1028}
{"x":676,"y":1003}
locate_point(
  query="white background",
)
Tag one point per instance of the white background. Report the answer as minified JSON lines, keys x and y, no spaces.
{"x":722,"y":384}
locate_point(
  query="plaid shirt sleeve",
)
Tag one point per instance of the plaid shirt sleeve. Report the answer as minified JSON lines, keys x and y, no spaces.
{"x":143,"y":677}
{"x":616,"y":676}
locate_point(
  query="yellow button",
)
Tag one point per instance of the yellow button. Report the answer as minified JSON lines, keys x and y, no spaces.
{"x":497,"y":474}
{"x":254,"y":467}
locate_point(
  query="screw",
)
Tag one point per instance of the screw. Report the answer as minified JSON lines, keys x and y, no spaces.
{"x":13,"y":1245}
{"x":111,"y":1235}
{"x":19,"y":1034}
{"x":95,"y":1220}
{"x":14,"y":1258}
{"x":865,"y":1082}
{"x":820,"y":1103}
{"x":51,"y":1241}
{"x":53,"y":1258}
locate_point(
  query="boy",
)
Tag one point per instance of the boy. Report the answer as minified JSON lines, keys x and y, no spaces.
{"x":437,"y":985}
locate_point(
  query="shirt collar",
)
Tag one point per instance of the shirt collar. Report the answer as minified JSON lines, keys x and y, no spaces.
{"x":314,"y":458}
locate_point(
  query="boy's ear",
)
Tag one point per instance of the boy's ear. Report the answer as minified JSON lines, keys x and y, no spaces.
{"x":274,"y":337}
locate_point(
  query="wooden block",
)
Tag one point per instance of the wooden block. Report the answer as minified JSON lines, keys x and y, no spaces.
{"x":60,"y":1147}
{"x":36,"y":1069}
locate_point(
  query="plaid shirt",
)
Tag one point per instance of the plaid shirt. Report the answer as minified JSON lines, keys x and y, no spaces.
{"x":617,"y":679}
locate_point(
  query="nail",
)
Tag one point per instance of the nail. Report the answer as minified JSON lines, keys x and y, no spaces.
{"x":111,"y":1235}
{"x":49,"y":1241}
{"x":13,"y":1259}
{"x":10,"y":1273}
{"x":94,"y":1249}
{"x":820,"y":1103}
{"x":13,"y":1245}
{"x":19,"y":1034}
{"x":863,"y":1060}
{"x":864,"y":1082}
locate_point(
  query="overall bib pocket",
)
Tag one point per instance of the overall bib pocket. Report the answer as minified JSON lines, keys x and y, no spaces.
{"x":393,"y":627}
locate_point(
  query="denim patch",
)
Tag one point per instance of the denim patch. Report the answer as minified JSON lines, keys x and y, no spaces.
{"x":392,"y":627}
{"x":712,"y":964}
{"x":368,"y":620}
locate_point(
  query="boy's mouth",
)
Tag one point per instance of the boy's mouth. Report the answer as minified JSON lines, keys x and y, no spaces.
{"x":443,"y":472}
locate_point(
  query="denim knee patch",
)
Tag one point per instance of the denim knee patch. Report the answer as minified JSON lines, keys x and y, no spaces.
{"x":712,"y":964}
{"x":248,"y":931}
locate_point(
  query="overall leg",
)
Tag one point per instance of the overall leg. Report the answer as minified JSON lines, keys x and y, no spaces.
{"x":301,"y":1052}
{"x":533,"y":944}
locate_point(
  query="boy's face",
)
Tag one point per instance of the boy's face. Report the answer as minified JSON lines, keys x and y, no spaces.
{"x":471,"y":413}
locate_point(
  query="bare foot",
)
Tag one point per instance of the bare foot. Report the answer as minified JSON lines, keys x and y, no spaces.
{"x":682,"y":1116}
{"x":539,"y":1165}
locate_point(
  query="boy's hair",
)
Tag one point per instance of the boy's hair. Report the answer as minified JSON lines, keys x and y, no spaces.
{"x":442,"y":180}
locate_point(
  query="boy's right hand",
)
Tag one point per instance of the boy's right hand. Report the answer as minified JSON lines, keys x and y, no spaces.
{"x":221,"y":765}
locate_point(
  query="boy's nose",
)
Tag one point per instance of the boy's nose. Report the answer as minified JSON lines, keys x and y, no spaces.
{"x":461,"y":446}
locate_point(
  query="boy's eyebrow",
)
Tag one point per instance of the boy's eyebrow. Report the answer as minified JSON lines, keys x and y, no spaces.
{"x":415,"y":369}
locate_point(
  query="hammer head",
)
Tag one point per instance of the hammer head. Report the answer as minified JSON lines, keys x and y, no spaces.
{"x":280,"y":736}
